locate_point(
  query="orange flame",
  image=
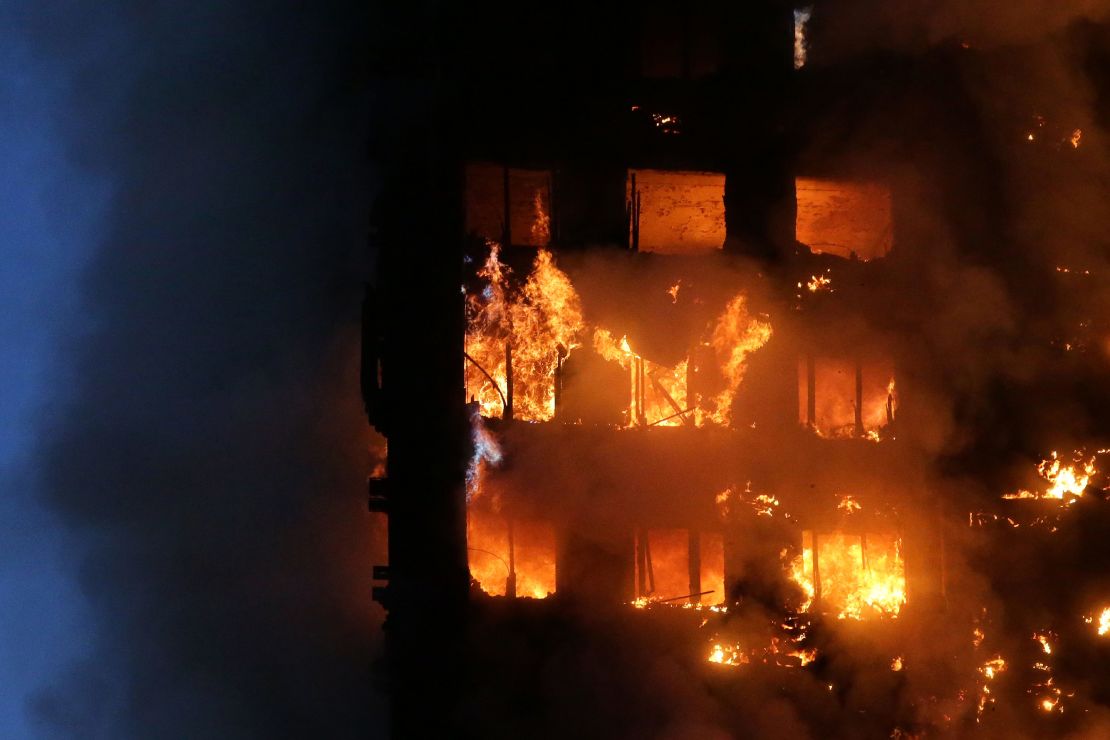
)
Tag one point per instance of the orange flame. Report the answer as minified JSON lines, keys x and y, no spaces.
{"x":534,"y":324}
{"x":860,"y":576}
{"x":1066,"y":482}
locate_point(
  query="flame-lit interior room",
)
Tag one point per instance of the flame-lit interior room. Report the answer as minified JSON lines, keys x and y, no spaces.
{"x":743,"y":370}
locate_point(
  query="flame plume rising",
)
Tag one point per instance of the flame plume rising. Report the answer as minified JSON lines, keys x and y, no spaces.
{"x":545,"y":315}
{"x":735,"y":335}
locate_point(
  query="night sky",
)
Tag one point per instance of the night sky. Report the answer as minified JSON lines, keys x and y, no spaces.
{"x":184,"y":219}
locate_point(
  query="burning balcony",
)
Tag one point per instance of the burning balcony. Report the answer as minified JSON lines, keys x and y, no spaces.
{"x":510,"y":557}
{"x":532,"y":351}
{"x":841,"y":397}
{"x":852,"y":576}
{"x":679,"y":566}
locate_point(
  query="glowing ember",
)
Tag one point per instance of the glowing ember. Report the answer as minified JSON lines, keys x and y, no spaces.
{"x":727,"y":654}
{"x":989,"y":670}
{"x":673,"y":291}
{"x":819,"y":282}
{"x":848,"y":505}
{"x":860,"y":575}
{"x":1066,"y":482}
{"x":667,"y":123}
{"x":805,"y":657}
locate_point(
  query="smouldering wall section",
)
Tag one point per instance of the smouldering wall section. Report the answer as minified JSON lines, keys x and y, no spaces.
{"x":843,"y":218}
{"x":679,"y":212}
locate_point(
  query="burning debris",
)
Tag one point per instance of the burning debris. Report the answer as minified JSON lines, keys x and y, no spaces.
{"x":1102,"y":622}
{"x":1066,"y":482}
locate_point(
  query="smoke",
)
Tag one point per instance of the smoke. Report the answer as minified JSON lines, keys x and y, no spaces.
{"x":915,"y":25}
{"x":205,"y":447}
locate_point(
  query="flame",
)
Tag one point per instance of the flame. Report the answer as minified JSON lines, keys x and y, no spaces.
{"x":673,"y":291}
{"x":541,"y":222}
{"x":800,"y":568}
{"x":896,"y":664}
{"x":724,"y":653}
{"x":1066,"y":482}
{"x":805,"y":657}
{"x":532,"y":558}
{"x":819,"y":282}
{"x":735,"y":335}
{"x":535,"y":323}
{"x":848,"y":505}
{"x":727,"y":654}
{"x":989,"y":670}
{"x":732,"y":336}
{"x":1045,"y":644}
{"x":857,"y":580}
{"x":1103,"y":622}
{"x":1074,"y":139}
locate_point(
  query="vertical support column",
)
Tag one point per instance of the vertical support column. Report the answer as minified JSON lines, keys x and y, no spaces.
{"x":814,"y":540}
{"x":633,"y":210}
{"x":640,"y":414}
{"x":506,"y":226}
{"x":641,"y":562}
{"x":811,"y":387}
{"x":422,"y":411}
{"x":510,"y":582}
{"x":560,"y":355}
{"x":859,"y":399}
{"x":553,"y":206}
{"x":695,"y":566}
{"x":508,"y":415}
